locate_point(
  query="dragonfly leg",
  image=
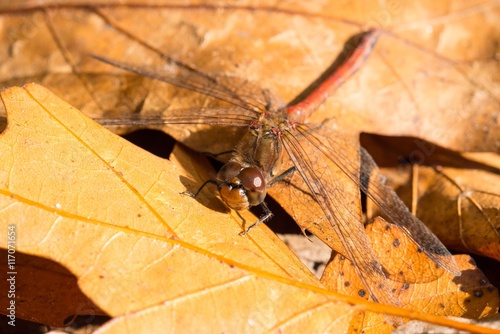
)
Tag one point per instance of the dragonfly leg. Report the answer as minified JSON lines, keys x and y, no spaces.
{"x":282,"y":176}
{"x":267,"y":215}
{"x":194,"y":195}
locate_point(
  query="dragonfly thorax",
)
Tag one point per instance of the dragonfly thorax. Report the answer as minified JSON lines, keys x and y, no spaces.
{"x":241,"y":187}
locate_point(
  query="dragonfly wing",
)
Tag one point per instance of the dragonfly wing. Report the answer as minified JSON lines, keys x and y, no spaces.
{"x":237,"y":92}
{"x":211,"y":116}
{"x":372,"y":183}
{"x":336,"y":197}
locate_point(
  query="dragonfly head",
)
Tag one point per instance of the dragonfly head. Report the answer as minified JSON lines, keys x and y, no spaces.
{"x":241,"y":187}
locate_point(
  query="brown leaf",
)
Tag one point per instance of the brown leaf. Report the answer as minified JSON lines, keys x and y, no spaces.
{"x":112,"y":214}
{"x":431,"y":75}
{"x":401,"y":84}
{"x":460,"y":205}
{"x":415,"y":280}
{"x":473,"y":194}
{"x":117,"y":221}
{"x":48,"y":293}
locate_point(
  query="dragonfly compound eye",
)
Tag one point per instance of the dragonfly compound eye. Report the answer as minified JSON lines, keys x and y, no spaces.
{"x":229,"y":171}
{"x":252,"y":180}
{"x":241,"y":188}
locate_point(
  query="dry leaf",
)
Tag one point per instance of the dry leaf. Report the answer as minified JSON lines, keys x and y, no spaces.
{"x":431,"y":76}
{"x":418,"y":82}
{"x":112,"y":214}
{"x":470,"y":204}
{"x":48,"y":292}
{"x":415,"y":280}
{"x":460,"y":205}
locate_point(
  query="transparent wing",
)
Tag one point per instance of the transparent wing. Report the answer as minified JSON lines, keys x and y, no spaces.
{"x":387,"y":200}
{"x":210,"y":116}
{"x":329,"y":189}
{"x":370,"y":181}
{"x":235,"y":91}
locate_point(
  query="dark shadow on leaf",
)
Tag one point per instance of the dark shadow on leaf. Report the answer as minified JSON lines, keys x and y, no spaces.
{"x":476,"y":284}
{"x":394,"y":151}
{"x":153,"y":141}
{"x":207,"y":196}
{"x":3,"y":124}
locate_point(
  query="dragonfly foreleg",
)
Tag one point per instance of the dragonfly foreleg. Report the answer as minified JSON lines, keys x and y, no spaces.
{"x":267,"y":215}
{"x":195,"y":194}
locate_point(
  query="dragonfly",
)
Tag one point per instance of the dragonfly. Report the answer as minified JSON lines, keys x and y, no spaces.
{"x":275,"y":129}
